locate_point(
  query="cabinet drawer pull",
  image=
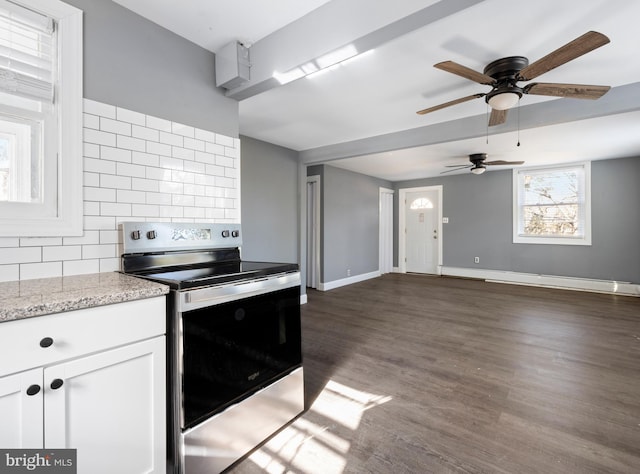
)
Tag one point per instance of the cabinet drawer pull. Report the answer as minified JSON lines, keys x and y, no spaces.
{"x":33,"y":389}
{"x":46,"y":342}
{"x":56,"y":384}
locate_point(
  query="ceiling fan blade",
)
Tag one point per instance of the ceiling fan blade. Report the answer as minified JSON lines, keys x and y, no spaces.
{"x":459,"y":168}
{"x":502,"y":162}
{"x":497,"y":117}
{"x":464,"y":71}
{"x":572,"y":50}
{"x":448,"y":104}
{"x":575,"y":91}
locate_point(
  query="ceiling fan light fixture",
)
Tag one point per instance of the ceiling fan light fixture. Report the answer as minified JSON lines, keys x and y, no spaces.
{"x":478,"y":169}
{"x":503,"y":100}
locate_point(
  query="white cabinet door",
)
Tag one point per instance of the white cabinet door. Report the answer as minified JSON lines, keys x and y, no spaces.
{"x":111,"y":408}
{"x":21,"y":410}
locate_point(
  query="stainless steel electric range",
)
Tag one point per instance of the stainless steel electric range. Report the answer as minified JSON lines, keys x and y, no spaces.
{"x":234,"y":359}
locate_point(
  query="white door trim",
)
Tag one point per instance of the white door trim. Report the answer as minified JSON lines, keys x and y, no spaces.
{"x":313,"y":234}
{"x":385,"y":232}
{"x":402,"y":219}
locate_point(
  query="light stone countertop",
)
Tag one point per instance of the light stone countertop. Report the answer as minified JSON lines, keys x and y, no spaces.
{"x":28,"y":298}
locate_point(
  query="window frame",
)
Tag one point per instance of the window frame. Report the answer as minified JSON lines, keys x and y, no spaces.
{"x":64,"y":211}
{"x":550,"y":240}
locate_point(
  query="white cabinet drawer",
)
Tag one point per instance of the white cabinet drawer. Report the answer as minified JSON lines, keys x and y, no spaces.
{"x":77,"y":333}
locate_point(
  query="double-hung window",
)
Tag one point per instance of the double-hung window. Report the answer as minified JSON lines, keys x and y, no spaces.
{"x":552,"y":205}
{"x":40,"y":118}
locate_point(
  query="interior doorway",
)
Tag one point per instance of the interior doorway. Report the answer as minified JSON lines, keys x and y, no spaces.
{"x":420,"y":228}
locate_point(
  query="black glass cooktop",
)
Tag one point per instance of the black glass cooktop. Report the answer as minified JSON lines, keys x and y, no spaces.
{"x":223,"y":272}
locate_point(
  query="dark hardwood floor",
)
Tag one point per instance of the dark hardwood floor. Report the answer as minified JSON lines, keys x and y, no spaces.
{"x":419,"y":374}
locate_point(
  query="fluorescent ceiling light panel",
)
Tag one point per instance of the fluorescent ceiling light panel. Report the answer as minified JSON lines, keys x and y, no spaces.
{"x":337,"y":56}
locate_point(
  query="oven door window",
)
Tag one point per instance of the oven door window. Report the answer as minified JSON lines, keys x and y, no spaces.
{"x":231,"y":350}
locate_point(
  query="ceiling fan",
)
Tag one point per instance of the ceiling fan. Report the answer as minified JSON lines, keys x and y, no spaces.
{"x":479,"y":164}
{"x":504,"y":74}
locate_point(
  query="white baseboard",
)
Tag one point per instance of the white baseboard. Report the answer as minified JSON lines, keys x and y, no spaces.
{"x":549,"y":281}
{"x":330,"y":285}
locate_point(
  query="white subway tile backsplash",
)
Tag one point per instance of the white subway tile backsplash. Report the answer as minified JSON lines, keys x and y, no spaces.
{"x":194,"y":144}
{"x":91,"y":121}
{"x":158,"y":123}
{"x":80,"y":267}
{"x":135,"y":167}
{"x":108,"y":236}
{"x":89,"y":237}
{"x":115,"y":154}
{"x":115,"y":126}
{"x":114,"y":181}
{"x":9,"y":272}
{"x":115,"y":209}
{"x":138,"y":184}
{"x":159,"y":148}
{"x":98,"y":108}
{"x":132,"y":197}
{"x":98,"y":251}
{"x":214,"y":148}
{"x":99,"y":194}
{"x":32,"y":271}
{"x":130,"y":116}
{"x":146,"y":159}
{"x":91,"y":208}
{"x":145,"y":133}
{"x":98,"y":137}
{"x":99,"y":166}
{"x":99,"y":223}
{"x":158,"y":198}
{"x":91,"y":150}
{"x":62,"y":252}
{"x":224,"y":140}
{"x":205,"y":135}
{"x":125,"y":169}
{"x":109,"y":264}
{"x":91,"y":179}
{"x":20,"y":255}
{"x":183,"y":130}
{"x":40,"y":241}
{"x":182,"y":153}
{"x":131,"y":143}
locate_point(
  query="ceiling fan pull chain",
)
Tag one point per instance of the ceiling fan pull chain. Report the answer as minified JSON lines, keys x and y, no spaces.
{"x":487,"y":121}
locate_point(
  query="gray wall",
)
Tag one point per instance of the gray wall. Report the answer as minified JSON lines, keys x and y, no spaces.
{"x":479,"y":209}
{"x":269,"y":201}
{"x":349,"y":210}
{"x":134,"y":63}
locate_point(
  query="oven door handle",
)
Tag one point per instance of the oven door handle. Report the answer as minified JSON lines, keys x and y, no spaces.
{"x":202,"y":297}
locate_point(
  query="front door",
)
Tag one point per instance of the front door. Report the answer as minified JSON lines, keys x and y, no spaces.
{"x":421,"y":232}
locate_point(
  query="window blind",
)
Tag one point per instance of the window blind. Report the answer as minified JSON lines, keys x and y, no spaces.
{"x":27,"y":53}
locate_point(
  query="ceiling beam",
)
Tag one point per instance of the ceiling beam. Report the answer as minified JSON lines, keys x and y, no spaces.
{"x":618,"y":100}
{"x":334,"y":26}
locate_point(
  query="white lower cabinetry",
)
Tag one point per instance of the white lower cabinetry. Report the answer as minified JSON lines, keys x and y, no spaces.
{"x":109,"y":405}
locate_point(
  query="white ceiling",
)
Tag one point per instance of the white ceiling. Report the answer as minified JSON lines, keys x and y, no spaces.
{"x":378,"y":93}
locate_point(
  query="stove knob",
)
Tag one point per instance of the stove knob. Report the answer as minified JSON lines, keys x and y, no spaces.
{"x":225,"y":233}
{"x":235,"y":233}
{"x":152,"y":234}
{"x":135,"y":235}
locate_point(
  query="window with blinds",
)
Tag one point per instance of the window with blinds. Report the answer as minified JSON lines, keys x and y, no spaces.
{"x":40,"y":118}
{"x":27,"y":111}
{"x":551,"y":205}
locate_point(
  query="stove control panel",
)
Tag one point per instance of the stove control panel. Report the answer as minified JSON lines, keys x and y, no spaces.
{"x":144,"y":237}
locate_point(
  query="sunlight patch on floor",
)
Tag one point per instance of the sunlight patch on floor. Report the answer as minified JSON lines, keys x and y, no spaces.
{"x":311,"y":447}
